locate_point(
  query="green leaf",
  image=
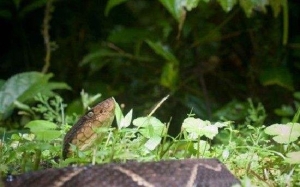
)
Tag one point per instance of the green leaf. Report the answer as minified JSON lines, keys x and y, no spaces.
{"x":190,"y":4}
{"x":126,"y":121}
{"x":111,"y":4}
{"x":227,"y":5}
{"x":163,"y":51}
{"x":284,"y":134}
{"x":297,"y":95}
{"x":276,"y":6}
{"x":293,"y":157}
{"x":23,"y":87}
{"x":153,"y":142}
{"x":202,"y":147}
{"x":40,"y":125}
{"x":277,"y":76}
{"x":247,"y":6}
{"x":285,"y":111}
{"x":44,"y":130}
{"x":170,"y":72}
{"x":175,"y":7}
{"x":119,"y":114}
{"x":197,"y":128}
{"x":150,"y":126}
{"x":169,"y":76}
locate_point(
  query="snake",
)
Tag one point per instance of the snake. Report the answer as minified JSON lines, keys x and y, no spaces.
{"x":209,"y":172}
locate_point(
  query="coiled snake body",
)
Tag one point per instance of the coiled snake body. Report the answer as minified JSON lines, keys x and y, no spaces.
{"x":181,"y":173}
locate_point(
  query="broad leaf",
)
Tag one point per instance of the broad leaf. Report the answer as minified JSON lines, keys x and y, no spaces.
{"x":284,"y":134}
{"x":150,"y":126}
{"x":163,"y":51}
{"x":277,"y":76}
{"x":44,"y":130}
{"x":23,"y":87}
{"x":227,"y":5}
{"x":153,"y":142}
{"x":293,"y":157}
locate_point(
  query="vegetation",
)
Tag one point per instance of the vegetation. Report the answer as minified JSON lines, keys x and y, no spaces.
{"x":210,"y":57}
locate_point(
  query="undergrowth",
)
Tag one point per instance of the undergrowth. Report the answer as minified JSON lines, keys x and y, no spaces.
{"x":258,"y":155}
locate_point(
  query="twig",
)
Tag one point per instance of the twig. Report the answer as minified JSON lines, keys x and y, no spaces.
{"x":46,"y":36}
{"x":158,"y":105}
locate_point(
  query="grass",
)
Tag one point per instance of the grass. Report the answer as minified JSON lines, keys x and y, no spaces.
{"x":258,"y":155}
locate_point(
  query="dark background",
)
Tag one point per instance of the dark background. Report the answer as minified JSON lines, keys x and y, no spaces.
{"x":214,"y":69}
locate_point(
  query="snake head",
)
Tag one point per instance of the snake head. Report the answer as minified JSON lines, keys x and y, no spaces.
{"x":83,"y":134}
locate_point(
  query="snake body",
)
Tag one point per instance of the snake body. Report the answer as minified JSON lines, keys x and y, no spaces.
{"x":181,"y":173}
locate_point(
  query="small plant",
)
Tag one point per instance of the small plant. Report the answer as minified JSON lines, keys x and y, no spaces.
{"x":259,"y":155}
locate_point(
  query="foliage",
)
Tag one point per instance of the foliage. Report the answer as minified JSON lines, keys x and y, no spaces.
{"x":23,"y":87}
{"x":247,"y":150}
{"x":210,"y":56}
{"x":192,"y":49}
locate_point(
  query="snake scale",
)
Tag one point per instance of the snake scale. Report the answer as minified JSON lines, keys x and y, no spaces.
{"x":181,"y":173}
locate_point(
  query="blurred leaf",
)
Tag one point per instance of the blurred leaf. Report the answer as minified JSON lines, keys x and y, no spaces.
{"x":285,"y":111}
{"x":163,"y":51}
{"x":25,"y":86}
{"x":169,"y":76}
{"x":128,"y":35}
{"x":227,"y":5}
{"x":247,"y":6}
{"x":175,"y":7}
{"x":153,"y":142}
{"x":297,"y":95}
{"x":284,"y":134}
{"x":277,"y":76}
{"x":190,"y":4}
{"x":111,"y":4}
{"x":276,"y":6}
{"x":44,"y":130}
{"x":150,"y":126}
{"x":5,"y":14}
{"x":234,"y":110}
{"x":32,"y":6}
{"x":198,"y":128}
{"x":97,"y":57}
{"x":293,"y":157}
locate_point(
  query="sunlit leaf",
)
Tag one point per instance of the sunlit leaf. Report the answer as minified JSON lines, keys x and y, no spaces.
{"x":153,"y":142}
{"x":197,"y":128}
{"x":118,"y":113}
{"x":126,"y":121}
{"x":227,"y":5}
{"x":190,"y":4}
{"x":44,"y":130}
{"x":293,"y":157}
{"x":175,"y":7}
{"x":150,"y":126}
{"x":284,"y":133}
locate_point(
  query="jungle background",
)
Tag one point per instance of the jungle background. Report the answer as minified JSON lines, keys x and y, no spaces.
{"x":210,"y":56}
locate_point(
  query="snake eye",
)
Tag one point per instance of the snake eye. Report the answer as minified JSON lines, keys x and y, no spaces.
{"x":90,"y":114}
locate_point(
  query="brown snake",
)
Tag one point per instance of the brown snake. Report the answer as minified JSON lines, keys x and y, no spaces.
{"x":181,"y":173}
